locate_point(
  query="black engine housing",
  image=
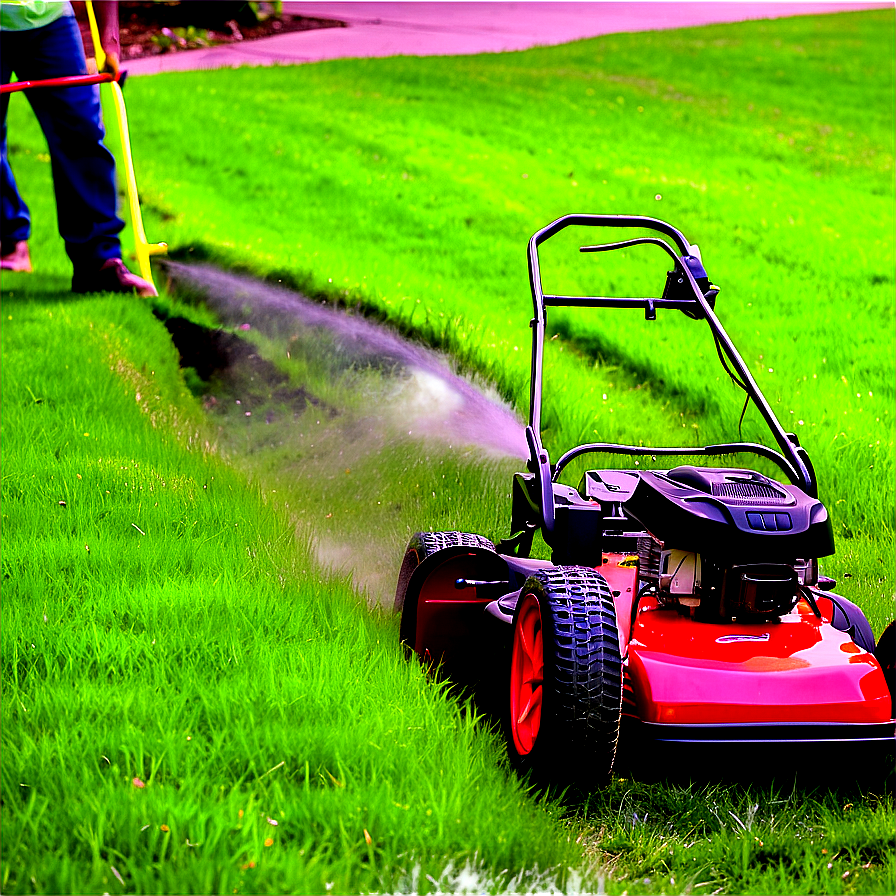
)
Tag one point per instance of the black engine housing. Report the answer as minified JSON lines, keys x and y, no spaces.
{"x":731,"y":514}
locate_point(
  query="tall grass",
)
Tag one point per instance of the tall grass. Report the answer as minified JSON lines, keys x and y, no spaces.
{"x":187,"y":704}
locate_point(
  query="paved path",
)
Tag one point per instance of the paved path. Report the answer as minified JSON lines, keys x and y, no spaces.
{"x":447,"y":29}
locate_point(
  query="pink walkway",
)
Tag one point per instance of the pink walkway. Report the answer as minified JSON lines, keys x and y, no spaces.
{"x":441,"y":29}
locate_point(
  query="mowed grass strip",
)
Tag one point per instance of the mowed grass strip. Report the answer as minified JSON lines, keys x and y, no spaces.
{"x":185,"y":700}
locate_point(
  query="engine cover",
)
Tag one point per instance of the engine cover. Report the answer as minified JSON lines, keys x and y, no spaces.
{"x":732,"y":515}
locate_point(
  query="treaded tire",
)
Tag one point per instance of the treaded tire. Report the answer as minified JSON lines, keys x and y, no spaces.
{"x":425,"y":544}
{"x":885,"y":654}
{"x":581,"y":691}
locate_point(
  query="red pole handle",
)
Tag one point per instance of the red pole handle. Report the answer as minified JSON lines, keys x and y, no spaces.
{"x":69,"y":81}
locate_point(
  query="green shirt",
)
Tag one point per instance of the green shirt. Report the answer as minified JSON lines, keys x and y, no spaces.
{"x":22,"y":15}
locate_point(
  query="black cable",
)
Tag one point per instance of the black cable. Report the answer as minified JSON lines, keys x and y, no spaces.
{"x":736,"y":381}
{"x":743,"y":414}
{"x":645,"y":589}
{"x":728,"y":370}
{"x":639,"y":241}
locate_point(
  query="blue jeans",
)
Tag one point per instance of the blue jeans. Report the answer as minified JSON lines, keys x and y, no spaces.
{"x":70,"y":117}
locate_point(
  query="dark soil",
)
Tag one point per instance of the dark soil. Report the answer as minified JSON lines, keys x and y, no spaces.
{"x":229,"y":375}
{"x":150,"y":29}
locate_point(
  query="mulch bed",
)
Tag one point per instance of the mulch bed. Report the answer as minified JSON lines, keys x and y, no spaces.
{"x":150,"y":29}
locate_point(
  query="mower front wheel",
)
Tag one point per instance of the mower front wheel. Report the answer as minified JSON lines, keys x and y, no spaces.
{"x":565,"y":678}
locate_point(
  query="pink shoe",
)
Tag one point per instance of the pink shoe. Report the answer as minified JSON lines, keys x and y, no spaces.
{"x":113,"y":276}
{"x":17,"y":260}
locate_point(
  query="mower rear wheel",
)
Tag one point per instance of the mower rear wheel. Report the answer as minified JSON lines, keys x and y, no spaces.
{"x":425,"y":544}
{"x":565,"y":678}
{"x":439,"y":620}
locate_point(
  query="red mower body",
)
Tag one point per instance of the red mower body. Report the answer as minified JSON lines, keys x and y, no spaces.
{"x":794,"y":679}
{"x":796,"y":669}
{"x":683,"y":672}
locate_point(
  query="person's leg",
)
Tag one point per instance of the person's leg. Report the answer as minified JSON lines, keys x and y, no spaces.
{"x":83,"y":169}
{"x":15,"y":220}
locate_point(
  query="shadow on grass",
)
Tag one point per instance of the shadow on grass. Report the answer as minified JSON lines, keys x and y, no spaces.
{"x":43,"y":296}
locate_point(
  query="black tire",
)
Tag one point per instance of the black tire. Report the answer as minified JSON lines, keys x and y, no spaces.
{"x":848,"y":617}
{"x":885,"y":654}
{"x":581,"y":700}
{"x":425,"y":544}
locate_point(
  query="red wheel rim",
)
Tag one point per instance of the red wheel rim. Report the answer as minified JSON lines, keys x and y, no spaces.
{"x":526,"y":676}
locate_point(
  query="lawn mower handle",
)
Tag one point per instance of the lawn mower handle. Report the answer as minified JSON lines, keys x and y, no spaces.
{"x":793,"y":458}
{"x":684,"y":451}
{"x":538,"y":298}
{"x":641,"y":221}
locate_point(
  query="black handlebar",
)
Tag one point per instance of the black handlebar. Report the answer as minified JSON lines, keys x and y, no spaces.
{"x":689,"y":296}
{"x":611,"y":221}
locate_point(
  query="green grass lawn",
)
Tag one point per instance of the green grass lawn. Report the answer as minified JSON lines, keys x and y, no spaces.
{"x":162,"y":621}
{"x":411,"y":187}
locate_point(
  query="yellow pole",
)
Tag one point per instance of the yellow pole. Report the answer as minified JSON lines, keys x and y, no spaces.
{"x":98,"y":50}
{"x":143,"y":248}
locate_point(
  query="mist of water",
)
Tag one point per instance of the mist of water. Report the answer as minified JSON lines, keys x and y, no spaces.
{"x":384,"y":416}
{"x":433,"y":401}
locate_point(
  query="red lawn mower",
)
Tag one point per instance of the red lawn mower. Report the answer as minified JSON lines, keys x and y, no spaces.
{"x":683,"y":607}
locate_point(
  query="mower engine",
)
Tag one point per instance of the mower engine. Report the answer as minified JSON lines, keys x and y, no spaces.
{"x":727,"y":544}
{"x":717,"y":592}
